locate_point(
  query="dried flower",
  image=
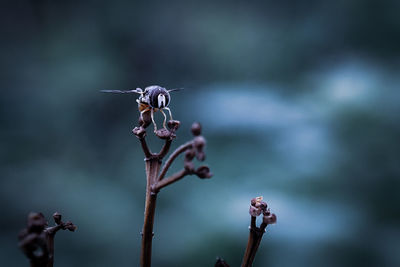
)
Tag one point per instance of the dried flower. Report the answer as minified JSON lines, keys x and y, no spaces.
{"x":196,"y":129}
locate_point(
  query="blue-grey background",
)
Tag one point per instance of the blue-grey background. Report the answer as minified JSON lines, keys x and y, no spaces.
{"x":299,"y":102}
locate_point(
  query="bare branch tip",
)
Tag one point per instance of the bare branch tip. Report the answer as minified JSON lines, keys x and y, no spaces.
{"x":221,"y":263}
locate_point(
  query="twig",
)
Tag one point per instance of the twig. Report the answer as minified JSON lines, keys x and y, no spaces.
{"x":152,"y":168}
{"x":172,"y":157}
{"x":155,"y":179}
{"x":171,"y":179}
{"x":257,"y":208}
{"x":37,"y":240}
{"x":140,"y":132}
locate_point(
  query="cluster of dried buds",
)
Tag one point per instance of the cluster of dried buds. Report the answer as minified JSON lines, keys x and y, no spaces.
{"x":258,"y":207}
{"x":163,"y":133}
{"x":156,"y":178}
{"x":193,"y":149}
{"x":37,"y":239}
{"x":61,"y":225}
{"x":197,"y":150}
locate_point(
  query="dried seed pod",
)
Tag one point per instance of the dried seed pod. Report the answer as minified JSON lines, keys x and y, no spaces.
{"x":269,"y":219}
{"x":196,"y":129}
{"x":203,"y":172}
{"x":57,"y":218}
{"x":173,"y":125}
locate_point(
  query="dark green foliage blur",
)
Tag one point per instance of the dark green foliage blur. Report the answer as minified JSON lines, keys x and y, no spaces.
{"x":299,"y":102}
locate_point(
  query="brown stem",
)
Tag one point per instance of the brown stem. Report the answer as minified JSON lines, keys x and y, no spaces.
{"x":172,"y":157}
{"x":145,"y":148}
{"x":171,"y":179}
{"x":165,"y":149}
{"x":50,"y":245}
{"x":253,"y":243}
{"x":152,"y":169}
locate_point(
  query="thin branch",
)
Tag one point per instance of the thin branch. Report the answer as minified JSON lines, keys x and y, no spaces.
{"x":172,"y":157}
{"x":164,"y":150}
{"x":253,"y":222}
{"x":154,"y":176}
{"x":145,"y":148}
{"x":253,"y":243}
{"x":257,"y":208}
{"x":37,"y":240}
{"x":152,"y":168}
{"x":169,"y":180}
{"x":173,"y":126}
{"x":140,"y":133}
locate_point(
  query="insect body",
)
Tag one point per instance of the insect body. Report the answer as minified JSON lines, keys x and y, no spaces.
{"x":152,"y":98}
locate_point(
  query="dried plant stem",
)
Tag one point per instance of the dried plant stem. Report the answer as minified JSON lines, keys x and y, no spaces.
{"x":51,"y":234}
{"x":253,"y":243}
{"x":171,"y":179}
{"x":154,"y":176}
{"x":152,"y":169}
{"x":37,"y":240}
{"x":257,"y":207}
{"x":173,"y":156}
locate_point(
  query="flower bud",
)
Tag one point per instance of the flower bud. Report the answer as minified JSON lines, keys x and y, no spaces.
{"x":189,"y":166}
{"x":199,"y":142}
{"x":190,"y":154}
{"x":269,"y":219}
{"x":36,"y":222}
{"x":163,"y":133}
{"x":70,"y":226}
{"x":140,"y":132}
{"x":57,"y":218}
{"x":203,"y":172}
{"x":173,"y":124}
{"x":254,"y":212}
{"x":196,"y":129}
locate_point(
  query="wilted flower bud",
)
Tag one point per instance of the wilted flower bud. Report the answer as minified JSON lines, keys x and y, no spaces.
{"x":189,"y":166}
{"x":140,"y":132}
{"x":196,"y":129}
{"x":164,"y":134}
{"x":190,"y":154}
{"x":258,"y":202}
{"x":203,"y":172}
{"x":70,"y":226}
{"x":199,"y":142}
{"x":269,"y":219}
{"x":257,"y":206}
{"x":254,"y":212}
{"x":174,"y":124}
{"x":57,"y":218}
{"x":36,"y":222}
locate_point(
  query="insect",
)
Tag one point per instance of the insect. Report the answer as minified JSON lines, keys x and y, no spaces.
{"x":153,"y":98}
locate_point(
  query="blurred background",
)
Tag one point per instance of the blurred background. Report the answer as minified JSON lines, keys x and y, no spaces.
{"x":299,"y":102}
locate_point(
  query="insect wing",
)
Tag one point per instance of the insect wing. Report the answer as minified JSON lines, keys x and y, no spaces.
{"x":175,"y":89}
{"x":137,"y":91}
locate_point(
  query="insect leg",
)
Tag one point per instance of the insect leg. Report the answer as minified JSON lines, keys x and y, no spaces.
{"x":165,"y":119}
{"x":170,"y":114}
{"x":143,"y":111}
{"x":152,"y":119}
